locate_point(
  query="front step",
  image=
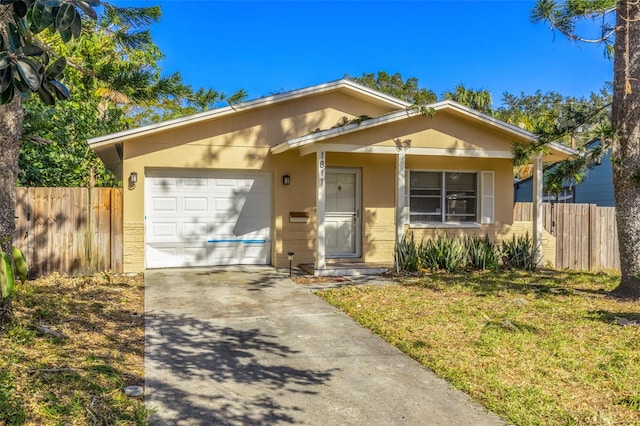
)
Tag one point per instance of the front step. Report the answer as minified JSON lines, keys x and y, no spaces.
{"x":346,"y":269}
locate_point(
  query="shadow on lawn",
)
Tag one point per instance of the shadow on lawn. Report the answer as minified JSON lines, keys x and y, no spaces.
{"x":613,"y":317}
{"x":542,"y":283}
{"x":198,"y":373}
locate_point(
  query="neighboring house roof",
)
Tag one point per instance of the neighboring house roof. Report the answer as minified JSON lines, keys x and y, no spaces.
{"x":552,"y":166}
{"x":595,"y":188}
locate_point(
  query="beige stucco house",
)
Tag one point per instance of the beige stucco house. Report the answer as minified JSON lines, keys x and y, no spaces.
{"x":334,"y":173}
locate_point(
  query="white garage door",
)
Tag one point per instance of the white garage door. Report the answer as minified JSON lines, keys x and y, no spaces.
{"x":203,"y":218}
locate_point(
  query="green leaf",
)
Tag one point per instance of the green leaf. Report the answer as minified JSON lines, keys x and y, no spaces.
{"x":41,"y":17}
{"x":21,"y":25}
{"x":46,"y":96}
{"x":66,"y":34}
{"x":62,"y":93}
{"x":5,"y":60}
{"x":20,"y":262}
{"x":19,"y":83}
{"x":6,"y":276}
{"x":56,"y":69}
{"x":14,"y":36}
{"x":30,"y":50}
{"x":7,"y":94}
{"x":20,"y":8}
{"x":5,"y":78}
{"x":94,"y":3}
{"x":76,"y":25}
{"x":29,"y":73}
{"x":65,"y":16}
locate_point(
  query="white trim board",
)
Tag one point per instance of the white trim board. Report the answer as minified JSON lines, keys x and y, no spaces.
{"x":376,"y":149}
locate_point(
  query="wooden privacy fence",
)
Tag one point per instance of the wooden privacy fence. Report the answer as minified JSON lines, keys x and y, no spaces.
{"x":73,"y":231}
{"x":586,"y":235}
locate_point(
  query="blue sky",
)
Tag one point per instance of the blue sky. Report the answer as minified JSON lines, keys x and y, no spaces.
{"x":267,"y":47}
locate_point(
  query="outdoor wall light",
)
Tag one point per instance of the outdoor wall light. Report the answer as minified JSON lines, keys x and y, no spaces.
{"x":133,"y":179}
{"x":286,"y":180}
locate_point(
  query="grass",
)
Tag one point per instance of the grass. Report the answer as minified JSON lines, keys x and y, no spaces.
{"x":535,"y":348}
{"x":77,"y":379}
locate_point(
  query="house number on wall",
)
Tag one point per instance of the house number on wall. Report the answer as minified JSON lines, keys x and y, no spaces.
{"x":321,"y":167}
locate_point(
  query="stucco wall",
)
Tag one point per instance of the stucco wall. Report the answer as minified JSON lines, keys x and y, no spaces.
{"x":242,"y":141}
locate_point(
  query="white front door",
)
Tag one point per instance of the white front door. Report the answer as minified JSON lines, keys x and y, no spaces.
{"x":342,"y":212}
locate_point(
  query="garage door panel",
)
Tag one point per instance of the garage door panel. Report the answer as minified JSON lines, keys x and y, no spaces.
{"x":255,"y":252}
{"x":227,"y":207}
{"x":254,"y":205}
{"x":164,"y":205}
{"x":163,"y":230}
{"x":194,"y":183}
{"x":164,"y":255}
{"x":195,"y":204}
{"x":247,"y":226}
{"x":195,"y":230}
{"x":164,"y":183}
{"x":194,"y":256}
{"x":201,"y":218}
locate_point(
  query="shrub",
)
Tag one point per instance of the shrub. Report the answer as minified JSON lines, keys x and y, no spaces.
{"x":406,"y":255}
{"x":454,"y":254}
{"x":482,"y":254}
{"x":444,"y":253}
{"x":519,"y":253}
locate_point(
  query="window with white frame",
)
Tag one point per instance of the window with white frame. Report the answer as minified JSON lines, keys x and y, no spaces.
{"x":444,"y":197}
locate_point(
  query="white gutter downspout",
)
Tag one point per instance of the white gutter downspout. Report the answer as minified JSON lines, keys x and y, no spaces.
{"x":537,"y":207}
{"x":321,"y":166}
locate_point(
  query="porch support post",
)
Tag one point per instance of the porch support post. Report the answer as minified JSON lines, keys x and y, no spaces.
{"x":321,"y":166}
{"x":537,"y":206}
{"x":400,"y":191}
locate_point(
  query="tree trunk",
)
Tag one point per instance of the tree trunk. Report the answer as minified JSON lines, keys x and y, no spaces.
{"x":625,"y":117}
{"x":11,"y":120}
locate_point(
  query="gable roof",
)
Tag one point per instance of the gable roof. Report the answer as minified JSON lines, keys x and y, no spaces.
{"x":355,"y":89}
{"x":445,"y":105}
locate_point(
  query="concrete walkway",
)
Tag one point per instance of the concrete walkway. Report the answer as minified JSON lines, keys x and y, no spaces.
{"x":247,"y":346}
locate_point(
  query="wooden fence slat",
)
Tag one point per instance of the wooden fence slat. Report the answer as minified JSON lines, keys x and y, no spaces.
{"x":69,"y":230}
{"x":586,"y":235}
{"x":116,"y":229}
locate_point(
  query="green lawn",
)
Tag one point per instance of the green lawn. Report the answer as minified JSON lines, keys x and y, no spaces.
{"x":76,"y":378}
{"x":542,"y":348}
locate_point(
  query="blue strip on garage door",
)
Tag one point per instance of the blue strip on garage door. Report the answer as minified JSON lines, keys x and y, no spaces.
{"x":238,"y":241}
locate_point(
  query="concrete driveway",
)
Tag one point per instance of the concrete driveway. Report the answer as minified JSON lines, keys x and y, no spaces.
{"x":247,"y":346}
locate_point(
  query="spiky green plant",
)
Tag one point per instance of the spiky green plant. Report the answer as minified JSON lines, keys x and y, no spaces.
{"x":406,"y":255}
{"x":444,"y":253}
{"x":519,"y":253}
{"x":482,"y":253}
